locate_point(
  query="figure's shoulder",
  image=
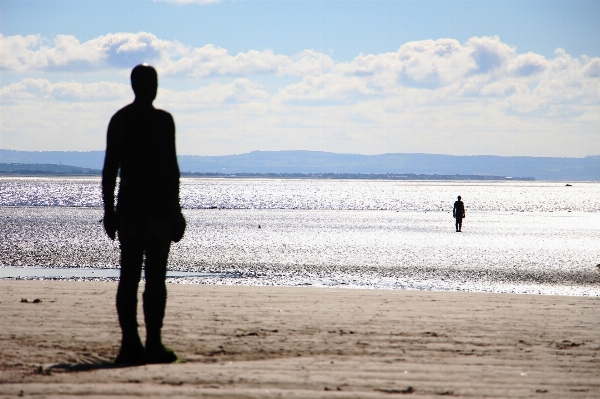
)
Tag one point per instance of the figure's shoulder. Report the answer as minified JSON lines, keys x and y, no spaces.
{"x":123,"y":112}
{"x":164,"y":114}
{"x":165,"y":118}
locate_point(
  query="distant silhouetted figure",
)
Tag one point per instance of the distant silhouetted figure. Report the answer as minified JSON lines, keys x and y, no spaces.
{"x":458,"y":213}
{"x":141,"y":143}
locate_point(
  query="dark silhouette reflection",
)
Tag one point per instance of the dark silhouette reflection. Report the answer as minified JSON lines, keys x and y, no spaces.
{"x":458,"y":213}
{"x":141,"y":144}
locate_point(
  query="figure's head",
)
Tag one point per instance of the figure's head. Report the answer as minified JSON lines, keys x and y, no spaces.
{"x":459,"y":197}
{"x":144,"y":82}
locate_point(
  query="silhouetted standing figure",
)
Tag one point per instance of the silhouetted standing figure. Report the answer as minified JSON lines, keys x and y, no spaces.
{"x":141,"y":143}
{"x":458,"y":213}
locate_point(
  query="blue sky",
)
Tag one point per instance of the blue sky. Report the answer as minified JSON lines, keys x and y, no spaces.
{"x":464,"y":78}
{"x":345,"y":27}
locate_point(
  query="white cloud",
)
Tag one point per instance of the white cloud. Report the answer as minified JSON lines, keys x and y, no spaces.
{"x":502,"y":88}
{"x":213,"y":96}
{"x":434,"y":61}
{"x":481,"y":96}
{"x":44,"y":90}
{"x":211,"y":60}
{"x":527,"y":64}
{"x":592,"y":68}
{"x":118,"y":50}
{"x":489,"y":53}
{"x":15,"y":54}
{"x":25,"y":53}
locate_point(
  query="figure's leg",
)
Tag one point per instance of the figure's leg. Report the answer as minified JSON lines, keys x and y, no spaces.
{"x":155,"y":295}
{"x":456,"y":223}
{"x":132,"y":254}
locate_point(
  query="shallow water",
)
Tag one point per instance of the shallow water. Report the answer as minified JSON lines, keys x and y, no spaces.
{"x":311,"y":194}
{"x":336,"y":238}
{"x":501,"y":252}
{"x":19,"y":272}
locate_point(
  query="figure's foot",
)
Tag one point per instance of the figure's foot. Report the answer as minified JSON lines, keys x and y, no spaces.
{"x":131,"y":353}
{"x":156,"y":354}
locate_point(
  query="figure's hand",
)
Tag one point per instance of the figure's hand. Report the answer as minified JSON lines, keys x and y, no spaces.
{"x":177,"y":227}
{"x":110,"y":223}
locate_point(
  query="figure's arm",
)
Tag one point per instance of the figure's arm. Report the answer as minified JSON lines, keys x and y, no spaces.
{"x":109,"y":178}
{"x":173,"y":168}
{"x":178,"y":221}
{"x":454,"y":211}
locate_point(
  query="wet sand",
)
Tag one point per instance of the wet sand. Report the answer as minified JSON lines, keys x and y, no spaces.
{"x":270,"y":342}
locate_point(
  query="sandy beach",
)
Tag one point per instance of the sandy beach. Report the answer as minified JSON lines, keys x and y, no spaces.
{"x":270,"y":342}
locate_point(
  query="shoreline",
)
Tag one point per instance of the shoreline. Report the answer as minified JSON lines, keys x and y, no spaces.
{"x":321,"y":280}
{"x":201,"y":282}
{"x":249,"y":341}
{"x":542,"y":290}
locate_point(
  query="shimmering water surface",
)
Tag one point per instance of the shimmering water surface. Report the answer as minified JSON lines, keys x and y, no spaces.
{"x":79,"y":272}
{"x":526,"y":237}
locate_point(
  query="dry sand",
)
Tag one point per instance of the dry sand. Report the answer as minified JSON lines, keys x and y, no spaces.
{"x":271,"y":342}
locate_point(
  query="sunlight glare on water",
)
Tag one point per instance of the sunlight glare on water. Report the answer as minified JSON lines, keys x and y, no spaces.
{"x":536,"y":237}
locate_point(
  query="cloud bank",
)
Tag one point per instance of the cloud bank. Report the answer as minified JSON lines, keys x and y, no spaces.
{"x":477,"y":97}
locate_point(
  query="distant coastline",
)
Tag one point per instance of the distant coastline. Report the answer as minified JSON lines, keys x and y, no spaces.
{"x":320,"y":164}
{"x":18,"y":169}
{"x":24,"y":169}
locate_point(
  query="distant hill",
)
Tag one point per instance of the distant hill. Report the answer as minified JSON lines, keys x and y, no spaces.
{"x":315,"y":162}
{"x":45,"y":169}
{"x":542,"y":168}
{"x":89,"y":159}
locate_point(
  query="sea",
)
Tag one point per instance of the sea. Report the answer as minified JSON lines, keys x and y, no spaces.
{"x":533,"y":237}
